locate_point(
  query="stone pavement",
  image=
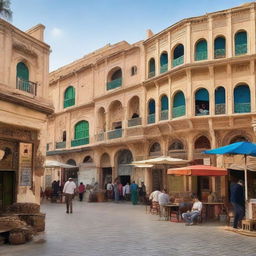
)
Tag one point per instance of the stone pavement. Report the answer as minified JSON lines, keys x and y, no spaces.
{"x":104,"y":229}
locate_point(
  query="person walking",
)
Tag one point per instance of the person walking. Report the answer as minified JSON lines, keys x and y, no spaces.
{"x":69,"y":192}
{"x":126,"y":191}
{"x":134,"y":193}
{"x":238,"y":201}
{"x":81,"y":190}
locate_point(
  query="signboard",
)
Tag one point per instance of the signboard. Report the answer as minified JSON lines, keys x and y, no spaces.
{"x":25,"y":164}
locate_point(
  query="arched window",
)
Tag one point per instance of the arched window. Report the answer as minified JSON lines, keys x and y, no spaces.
{"x":151,"y":68}
{"x":163,"y":62}
{"x":22,"y":75}
{"x":151,"y":111}
{"x":164,"y":108}
{"x":178,"y":55}
{"x":133,"y":70}
{"x":239,"y":138}
{"x":155,"y":149}
{"x":219,"y":47}
{"x":87,"y":159}
{"x":220,"y":100}
{"x":81,"y":134}
{"x":179,"y":105}
{"x":176,"y":145}
{"x":114,"y":78}
{"x":22,"y":71}
{"x":201,"y":50}
{"x":242,"y":99}
{"x":240,"y":43}
{"x":202,"y":102}
{"x":202,"y":143}
{"x":69,"y":97}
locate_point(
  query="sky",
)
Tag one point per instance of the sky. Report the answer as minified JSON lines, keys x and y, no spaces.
{"x":75,"y":28}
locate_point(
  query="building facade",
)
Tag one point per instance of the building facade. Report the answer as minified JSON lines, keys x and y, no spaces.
{"x":188,"y":88}
{"x":24,"y":69}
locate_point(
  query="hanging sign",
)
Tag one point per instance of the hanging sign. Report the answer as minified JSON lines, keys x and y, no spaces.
{"x":25,"y":164}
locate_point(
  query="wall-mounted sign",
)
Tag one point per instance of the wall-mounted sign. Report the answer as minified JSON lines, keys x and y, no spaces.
{"x":25,"y":163}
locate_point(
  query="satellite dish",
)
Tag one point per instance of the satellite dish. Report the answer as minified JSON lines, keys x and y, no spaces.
{"x":2,"y":153}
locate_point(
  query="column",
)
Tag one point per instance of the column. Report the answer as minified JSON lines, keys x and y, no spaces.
{"x":189,"y":95}
{"x":187,"y":46}
{"x":210,"y":45}
{"x":229,"y":91}
{"x":212,"y":91}
{"x":252,"y":32}
{"x":148,"y":181}
{"x":157,"y":104}
{"x":125,"y":121}
{"x":170,"y":97}
{"x":229,"y":38}
{"x":252,"y":85}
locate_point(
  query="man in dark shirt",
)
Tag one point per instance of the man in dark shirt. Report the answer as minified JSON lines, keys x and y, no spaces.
{"x":238,"y":202}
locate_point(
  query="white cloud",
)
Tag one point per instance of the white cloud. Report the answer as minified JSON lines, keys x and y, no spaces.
{"x":56,"y":32}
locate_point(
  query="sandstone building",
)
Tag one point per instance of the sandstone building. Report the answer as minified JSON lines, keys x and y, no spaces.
{"x":185,"y":89}
{"x":24,"y":108}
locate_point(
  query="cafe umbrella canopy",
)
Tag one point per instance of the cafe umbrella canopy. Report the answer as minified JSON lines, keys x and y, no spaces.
{"x":238,"y":148}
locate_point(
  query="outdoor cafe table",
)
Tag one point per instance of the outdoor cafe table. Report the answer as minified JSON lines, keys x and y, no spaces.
{"x":210,"y":208}
{"x":172,"y":207}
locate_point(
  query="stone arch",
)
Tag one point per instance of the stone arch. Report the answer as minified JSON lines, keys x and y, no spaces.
{"x":134,"y":107}
{"x":116,"y":115}
{"x":234,"y":135}
{"x":155,"y":149}
{"x":87,"y":159}
{"x":202,"y":142}
{"x":101,"y":124}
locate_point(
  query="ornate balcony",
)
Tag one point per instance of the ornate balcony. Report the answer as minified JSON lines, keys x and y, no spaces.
{"x":240,"y":49}
{"x":69,"y":102}
{"x":164,"y":115}
{"x":134,"y":122}
{"x":178,"y":61}
{"x":151,"y":74}
{"x":201,"y":55}
{"x":178,"y":111}
{"x":163,"y":68}
{"x":114,"y":84}
{"x":118,"y":133}
{"x":219,"y":53}
{"x":79,"y":142}
{"x":242,"y":107}
{"x":220,"y":109}
{"x":61,"y":144}
{"x":26,"y":86}
{"x":151,"y":118}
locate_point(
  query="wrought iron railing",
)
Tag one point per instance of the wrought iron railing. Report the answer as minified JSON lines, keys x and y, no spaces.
{"x":61,"y":144}
{"x":178,"y":61}
{"x":178,"y":111}
{"x":114,"y":84}
{"x":134,"y":122}
{"x":240,"y":49}
{"x":219,"y":53}
{"x":163,"y":68}
{"x":151,"y":118}
{"x":151,"y":74}
{"x":220,"y":109}
{"x":242,"y":107}
{"x":201,"y":55}
{"x":69,"y":102}
{"x":26,"y":86}
{"x":114,"y":134}
{"x":79,"y":142}
{"x":164,"y":115}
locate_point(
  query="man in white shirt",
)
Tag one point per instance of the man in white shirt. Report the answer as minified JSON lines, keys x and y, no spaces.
{"x":190,"y":216}
{"x":69,"y":191}
{"x":154,"y":196}
{"x":163,"y":200}
{"x":126,"y":191}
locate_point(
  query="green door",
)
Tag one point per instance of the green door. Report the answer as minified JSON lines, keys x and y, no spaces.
{"x":6,"y":189}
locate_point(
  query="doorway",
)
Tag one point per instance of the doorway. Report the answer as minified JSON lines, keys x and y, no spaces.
{"x":106,"y":176}
{"x":124,"y":179}
{"x":157,"y":179}
{"x":7,"y":181}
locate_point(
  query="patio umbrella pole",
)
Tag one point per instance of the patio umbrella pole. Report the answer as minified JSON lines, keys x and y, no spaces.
{"x":245,"y":178}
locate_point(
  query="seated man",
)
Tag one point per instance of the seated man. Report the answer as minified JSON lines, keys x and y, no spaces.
{"x":190,"y":216}
{"x":163,"y":199}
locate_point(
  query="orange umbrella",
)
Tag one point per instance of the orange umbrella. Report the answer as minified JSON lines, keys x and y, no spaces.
{"x":198,"y":170}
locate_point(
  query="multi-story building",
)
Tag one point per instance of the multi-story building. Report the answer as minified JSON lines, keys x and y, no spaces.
{"x":24,"y":107}
{"x":187,"y":88}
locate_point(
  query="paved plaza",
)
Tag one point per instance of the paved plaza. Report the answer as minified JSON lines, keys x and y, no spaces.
{"x":102,"y":229}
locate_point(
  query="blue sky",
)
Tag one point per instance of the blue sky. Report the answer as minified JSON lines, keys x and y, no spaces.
{"x":77,"y":27}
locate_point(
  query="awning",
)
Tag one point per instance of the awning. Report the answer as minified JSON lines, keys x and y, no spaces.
{"x":53,"y":163}
{"x":198,"y":170}
{"x":161,"y":160}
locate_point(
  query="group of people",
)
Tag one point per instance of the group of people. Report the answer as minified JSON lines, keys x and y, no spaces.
{"x":116,"y":191}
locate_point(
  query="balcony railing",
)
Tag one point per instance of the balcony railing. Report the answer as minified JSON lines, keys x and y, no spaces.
{"x":219,"y":53}
{"x":114,"y":84}
{"x":26,"y":86}
{"x":100,"y":136}
{"x":178,"y":61}
{"x":69,"y":102}
{"x":151,"y":74}
{"x":118,"y":133}
{"x":61,"y":144}
{"x":240,"y":49}
{"x":79,"y":142}
{"x":164,"y":68}
{"x":134,"y":122}
{"x":151,"y":118}
{"x":164,"y":115}
{"x":178,"y":111}
{"x":201,"y":55}
{"x":220,"y":109}
{"x":242,"y":107}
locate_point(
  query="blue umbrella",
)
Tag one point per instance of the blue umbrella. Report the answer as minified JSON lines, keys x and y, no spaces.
{"x":238,"y":148}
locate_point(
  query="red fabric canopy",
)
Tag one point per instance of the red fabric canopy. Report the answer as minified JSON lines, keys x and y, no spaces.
{"x":198,"y":170}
